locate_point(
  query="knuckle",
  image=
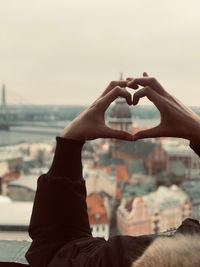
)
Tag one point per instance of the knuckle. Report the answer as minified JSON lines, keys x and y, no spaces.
{"x":147,"y":89}
{"x":153,"y":80}
{"x":112,"y":83}
{"x":118,"y":90}
{"x":98,"y":104}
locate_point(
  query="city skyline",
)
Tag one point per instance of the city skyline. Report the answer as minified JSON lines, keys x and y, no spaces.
{"x":66,"y":52}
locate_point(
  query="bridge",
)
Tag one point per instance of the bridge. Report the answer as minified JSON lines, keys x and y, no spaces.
{"x":9,"y":122}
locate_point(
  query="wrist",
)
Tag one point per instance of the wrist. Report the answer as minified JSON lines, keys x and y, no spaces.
{"x":67,"y":158}
{"x":72,"y":136}
{"x":73,"y":133}
{"x":194,"y":132}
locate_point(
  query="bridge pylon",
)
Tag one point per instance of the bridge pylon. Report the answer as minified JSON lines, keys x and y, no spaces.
{"x":4,"y":121}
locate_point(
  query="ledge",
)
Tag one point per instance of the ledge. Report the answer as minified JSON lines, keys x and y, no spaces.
{"x":12,"y":253}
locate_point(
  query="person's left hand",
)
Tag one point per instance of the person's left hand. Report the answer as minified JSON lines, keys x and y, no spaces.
{"x":90,"y":124}
{"x":176,"y":119}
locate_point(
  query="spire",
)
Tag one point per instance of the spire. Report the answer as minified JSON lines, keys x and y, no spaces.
{"x":120,"y":99}
{"x":121,"y":77}
{"x":120,"y":111}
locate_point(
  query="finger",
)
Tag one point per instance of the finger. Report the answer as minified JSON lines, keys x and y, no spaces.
{"x":129,"y":79}
{"x":148,"y":81}
{"x":149,"y":133}
{"x":112,"y":85}
{"x":117,"y":134}
{"x":106,"y":100}
{"x":150,"y":94}
{"x":145,"y":74}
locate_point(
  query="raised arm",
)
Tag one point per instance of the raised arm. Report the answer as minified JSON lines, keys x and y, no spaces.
{"x":59,"y":213}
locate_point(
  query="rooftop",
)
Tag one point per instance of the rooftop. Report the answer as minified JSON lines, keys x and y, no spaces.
{"x":27,"y":181}
{"x":96,"y":209}
{"x":141,"y":148}
{"x":120,"y":110}
{"x":165,"y":196}
{"x":135,"y":167}
{"x":7,"y":154}
{"x":177,"y":168}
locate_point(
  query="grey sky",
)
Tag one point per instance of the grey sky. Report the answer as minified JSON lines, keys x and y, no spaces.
{"x":65,"y":52}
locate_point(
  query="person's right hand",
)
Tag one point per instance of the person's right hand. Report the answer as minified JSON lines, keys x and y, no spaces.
{"x":90,"y":124}
{"x":176,"y":119}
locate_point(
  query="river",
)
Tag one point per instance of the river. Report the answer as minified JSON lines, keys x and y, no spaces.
{"x":44,"y":134}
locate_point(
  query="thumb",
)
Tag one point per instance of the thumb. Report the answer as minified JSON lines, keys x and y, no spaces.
{"x":117,"y":134}
{"x":149,"y":133}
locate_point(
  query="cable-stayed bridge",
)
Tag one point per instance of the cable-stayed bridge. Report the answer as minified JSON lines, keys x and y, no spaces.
{"x":22,"y":120}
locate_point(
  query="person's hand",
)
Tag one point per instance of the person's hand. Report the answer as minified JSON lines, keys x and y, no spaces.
{"x":176,"y":119}
{"x":90,"y":124}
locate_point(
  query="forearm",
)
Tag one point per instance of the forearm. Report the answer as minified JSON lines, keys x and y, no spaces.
{"x":60,"y":210}
{"x":67,"y":159}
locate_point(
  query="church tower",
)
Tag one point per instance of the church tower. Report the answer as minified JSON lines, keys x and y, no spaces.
{"x":120,"y":116}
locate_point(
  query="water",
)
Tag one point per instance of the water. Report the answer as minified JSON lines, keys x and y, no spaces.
{"x":12,"y":138}
{"x":146,"y":122}
{"x":31,"y":132}
{"x":44,"y":134}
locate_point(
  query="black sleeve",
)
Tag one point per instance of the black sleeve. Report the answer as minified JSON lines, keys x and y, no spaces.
{"x":195,"y":147}
{"x":60,"y":210}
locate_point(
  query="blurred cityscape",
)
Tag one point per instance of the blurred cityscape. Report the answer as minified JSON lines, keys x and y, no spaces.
{"x":133,"y":188}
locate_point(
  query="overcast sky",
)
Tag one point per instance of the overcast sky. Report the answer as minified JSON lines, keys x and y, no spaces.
{"x":66,"y":52}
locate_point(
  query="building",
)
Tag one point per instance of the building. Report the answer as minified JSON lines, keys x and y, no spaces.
{"x":23,"y":189}
{"x":120,"y":116}
{"x":98,"y":180}
{"x":148,"y":154}
{"x":4,"y":168}
{"x":156,"y":212}
{"x":179,"y":150}
{"x":10,"y":166}
{"x":175,"y":174}
{"x":98,"y":216}
{"x":192,"y":188}
{"x":12,"y":158}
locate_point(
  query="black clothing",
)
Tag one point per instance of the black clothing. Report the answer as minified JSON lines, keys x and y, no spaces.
{"x":59,"y":224}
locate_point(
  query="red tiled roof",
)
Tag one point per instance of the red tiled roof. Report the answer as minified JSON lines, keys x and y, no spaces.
{"x":96,"y":210}
{"x":122,"y":173}
{"x":9,"y":176}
